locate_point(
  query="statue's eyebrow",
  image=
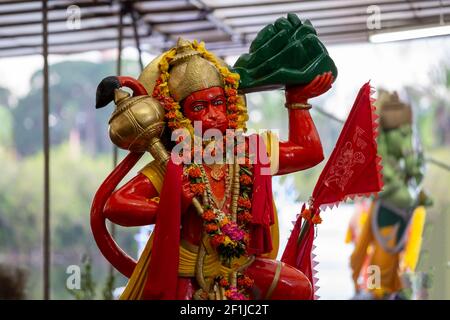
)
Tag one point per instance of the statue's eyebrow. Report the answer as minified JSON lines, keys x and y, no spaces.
{"x":218,"y":96}
{"x":213,"y":98}
{"x":197,"y":100}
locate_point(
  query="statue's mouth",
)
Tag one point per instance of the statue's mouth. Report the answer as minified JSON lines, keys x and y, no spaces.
{"x":214,"y":124}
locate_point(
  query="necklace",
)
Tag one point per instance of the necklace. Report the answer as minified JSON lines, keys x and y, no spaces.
{"x":208,"y":197}
{"x":217,"y":170}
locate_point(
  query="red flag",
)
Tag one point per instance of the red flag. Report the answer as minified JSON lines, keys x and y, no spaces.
{"x":354,"y":166}
{"x":353,"y":169}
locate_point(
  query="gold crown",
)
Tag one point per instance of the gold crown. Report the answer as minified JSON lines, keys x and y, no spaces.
{"x":190,"y":72}
{"x":393,"y":112}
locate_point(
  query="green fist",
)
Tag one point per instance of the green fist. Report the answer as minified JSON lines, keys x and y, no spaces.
{"x":287,"y":52}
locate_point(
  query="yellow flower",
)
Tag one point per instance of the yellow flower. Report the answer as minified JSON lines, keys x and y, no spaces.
{"x":224,"y":221}
{"x":228,"y":241}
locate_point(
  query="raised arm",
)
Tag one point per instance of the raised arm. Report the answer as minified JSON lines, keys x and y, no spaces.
{"x":303,"y":149}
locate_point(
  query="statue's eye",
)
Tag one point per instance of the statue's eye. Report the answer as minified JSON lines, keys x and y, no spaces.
{"x":197,"y":107}
{"x":218,"y":102}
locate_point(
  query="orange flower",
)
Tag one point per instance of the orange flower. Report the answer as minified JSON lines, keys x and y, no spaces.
{"x":245,"y":203}
{"x":169,"y":106}
{"x":217,"y":240}
{"x":232,"y":99}
{"x":197,"y":188}
{"x":171,"y":115}
{"x":316,"y":219}
{"x":306,"y":214}
{"x":223,"y":282}
{"x":232,"y":124}
{"x":230,"y":79}
{"x":232,"y":107}
{"x":245,"y":282}
{"x":211,"y":227}
{"x":195,"y":172}
{"x":245,"y":179}
{"x":232,"y":116}
{"x":208,"y":215}
{"x":168,"y":100}
{"x":245,"y":216}
{"x":230,"y":92}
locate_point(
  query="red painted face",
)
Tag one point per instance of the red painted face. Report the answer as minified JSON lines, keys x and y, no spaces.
{"x":208,"y":106}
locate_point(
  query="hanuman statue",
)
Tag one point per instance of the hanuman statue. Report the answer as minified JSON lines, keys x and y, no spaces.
{"x":216,"y":230}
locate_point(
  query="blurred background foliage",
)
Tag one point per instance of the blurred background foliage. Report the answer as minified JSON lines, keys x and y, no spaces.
{"x":81,"y":157}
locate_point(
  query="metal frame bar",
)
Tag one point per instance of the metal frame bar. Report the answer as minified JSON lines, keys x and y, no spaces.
{"x":133,"y":13}
{"x":220,"y":25}
{"x":46,"y":142}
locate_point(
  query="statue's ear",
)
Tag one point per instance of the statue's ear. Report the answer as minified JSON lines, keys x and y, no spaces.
{"x":105,"y":91}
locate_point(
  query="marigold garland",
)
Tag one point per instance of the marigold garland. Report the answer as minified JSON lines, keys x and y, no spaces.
{"x":229,"y":238}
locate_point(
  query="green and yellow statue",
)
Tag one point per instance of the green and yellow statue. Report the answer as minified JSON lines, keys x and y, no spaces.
{"x":387,"y":233}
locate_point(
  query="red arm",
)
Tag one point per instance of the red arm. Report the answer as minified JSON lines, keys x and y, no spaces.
{"x":109,"y":248}
{"x":303,"y":149}
{"x":131,"y":205}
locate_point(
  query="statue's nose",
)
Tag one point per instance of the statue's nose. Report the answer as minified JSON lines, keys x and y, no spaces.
{"x":212,"y":112}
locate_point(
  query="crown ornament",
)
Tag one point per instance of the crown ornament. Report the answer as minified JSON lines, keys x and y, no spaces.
{"x":190,"y":72}
{"x":393,"y":112}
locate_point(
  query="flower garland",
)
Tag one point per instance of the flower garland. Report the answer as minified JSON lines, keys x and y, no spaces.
{"x":229,"y":238}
